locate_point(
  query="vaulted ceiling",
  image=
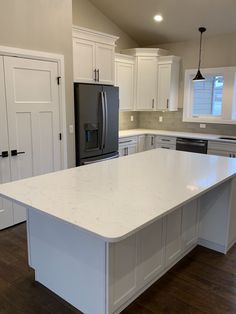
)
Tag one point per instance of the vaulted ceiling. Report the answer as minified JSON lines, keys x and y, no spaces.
{"x":181,"y":18}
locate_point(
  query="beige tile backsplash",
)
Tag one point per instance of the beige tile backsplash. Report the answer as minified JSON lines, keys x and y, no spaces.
{"x":172,"y":121}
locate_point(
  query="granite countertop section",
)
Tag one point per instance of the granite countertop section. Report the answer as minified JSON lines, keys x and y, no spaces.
{"x":116,"y":198}
{"x":213,"y":137}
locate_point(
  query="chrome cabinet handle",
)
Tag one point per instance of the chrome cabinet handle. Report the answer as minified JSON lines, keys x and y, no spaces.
{"x":4,"y":154}
{"x":167,"y":103}
{"x":152,"y":141}
{"x":95,"y":75}
{"x":153,"y":103}
{"x":98,"y":78}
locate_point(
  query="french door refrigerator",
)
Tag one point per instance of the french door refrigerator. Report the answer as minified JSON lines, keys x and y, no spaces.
{"x":96,"y":122}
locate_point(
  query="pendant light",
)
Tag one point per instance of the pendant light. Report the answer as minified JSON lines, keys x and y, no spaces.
{"x":199,"y":76}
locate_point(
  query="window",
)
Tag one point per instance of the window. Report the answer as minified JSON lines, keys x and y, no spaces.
{"x":207,"y":96}
{"x":212,"y":100}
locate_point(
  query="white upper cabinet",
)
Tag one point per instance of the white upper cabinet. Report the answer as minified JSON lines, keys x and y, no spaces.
{"x":168,"y":83}
{"x":93,"y":56}
{"x":146,"y":76}
{"x":146,"y":83}
{"x":124,"y":79}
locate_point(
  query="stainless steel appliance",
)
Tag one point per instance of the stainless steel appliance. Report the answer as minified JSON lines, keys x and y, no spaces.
{"x":191,"y":145}
{"x":96,"y":122}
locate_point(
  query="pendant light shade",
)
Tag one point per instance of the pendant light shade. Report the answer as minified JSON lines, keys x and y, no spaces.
{"x":199,"y":76}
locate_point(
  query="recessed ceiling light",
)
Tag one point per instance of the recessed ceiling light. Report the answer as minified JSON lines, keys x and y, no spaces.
{"x":158,"y":18}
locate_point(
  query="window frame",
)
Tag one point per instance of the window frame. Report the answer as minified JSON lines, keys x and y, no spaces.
{"x":228,"y":114}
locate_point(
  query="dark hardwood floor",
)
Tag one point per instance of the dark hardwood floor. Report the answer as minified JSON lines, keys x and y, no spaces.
{"x":203,"y":282}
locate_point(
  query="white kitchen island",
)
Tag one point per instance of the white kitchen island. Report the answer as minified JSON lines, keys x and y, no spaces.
{"x":99,"y":235}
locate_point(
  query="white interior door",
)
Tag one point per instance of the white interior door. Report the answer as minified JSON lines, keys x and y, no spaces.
{"x":33,"y":115}
{"x":6,"y":210}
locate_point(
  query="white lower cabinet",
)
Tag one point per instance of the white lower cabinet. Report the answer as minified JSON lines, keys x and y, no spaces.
{"x":142,"y":258}
{"x":152,"y":252}
{"x":141,"y":143}
{"x":150,"y":142}
{"x":123,"y":271}
{"x":128,"y":146}
{"x":173,"y":236}
{"x":190,"y":224}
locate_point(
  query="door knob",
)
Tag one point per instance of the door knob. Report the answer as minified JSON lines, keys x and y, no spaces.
{"x":14,"y":152}
{"x":4,"y":154}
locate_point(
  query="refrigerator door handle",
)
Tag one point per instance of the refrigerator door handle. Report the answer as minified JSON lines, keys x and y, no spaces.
{"x":103,"y":120}
{"x":106,"y":117}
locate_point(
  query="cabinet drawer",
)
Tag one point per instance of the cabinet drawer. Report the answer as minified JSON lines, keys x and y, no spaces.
{"x":227,"y":147}
{"x":128,"y":140}
{"x":166,"y":146}
{"x":166,"y":140}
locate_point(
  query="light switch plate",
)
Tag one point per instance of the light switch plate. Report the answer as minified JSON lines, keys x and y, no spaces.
{"x":160,"y":119}
{"x":131,"y":118}
{"x":202,"y":126}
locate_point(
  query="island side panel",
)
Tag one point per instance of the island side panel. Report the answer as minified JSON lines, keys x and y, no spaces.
{"x":215,"y":215}
{"x":136,"y":262}
{"x":68,"y":261}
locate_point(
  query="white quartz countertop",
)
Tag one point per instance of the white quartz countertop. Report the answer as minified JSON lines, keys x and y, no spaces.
{"x":115,"y":198}
{"x":213,"y":137}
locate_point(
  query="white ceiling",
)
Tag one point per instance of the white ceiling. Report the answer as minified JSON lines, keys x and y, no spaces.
{"x":181,"y":18}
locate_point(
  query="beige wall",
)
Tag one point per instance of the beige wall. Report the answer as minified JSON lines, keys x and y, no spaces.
{"x":218,"y":51}
{"x":45,"y":26}
{"x":85,"y":14}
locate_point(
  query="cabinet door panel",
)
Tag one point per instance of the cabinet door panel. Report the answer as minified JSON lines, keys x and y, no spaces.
{"x":125,"y":81}
{"x":6,"y":211}
{"x":151,"y":251}
{"x":105,"y":63}
{"x":173,"y":236}
{"x":164,"y":77}
{"x":190,"y":224}
{"x":146,"y":83}
{"x":84,"y":60}
{"x":123,"y":271}
{"x":150,"y":142}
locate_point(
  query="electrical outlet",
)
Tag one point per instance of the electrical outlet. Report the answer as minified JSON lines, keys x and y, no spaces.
{"x":71,"y":129}
{"x":131,"y":118}
{"x":160,"y":119}
{"x":202,"y":126}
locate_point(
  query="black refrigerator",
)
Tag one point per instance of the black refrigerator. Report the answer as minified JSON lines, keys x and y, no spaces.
{"x":96,"y":122}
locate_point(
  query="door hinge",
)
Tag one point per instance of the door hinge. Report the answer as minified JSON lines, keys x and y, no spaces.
{"x":60,"y":136}
{"x":58,"y":80}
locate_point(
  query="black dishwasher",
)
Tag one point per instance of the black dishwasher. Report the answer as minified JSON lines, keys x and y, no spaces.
{"x":191,"y":145}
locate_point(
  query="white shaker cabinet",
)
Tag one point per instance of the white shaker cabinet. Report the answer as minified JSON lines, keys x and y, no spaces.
{"x":146,"y":76}
{"x":168,"y":83}
{"x":221,"y":149}
{"x":93,"y":56}
{"x":150,"y":142}
{"x":146,"y":83}
{"x":128,"y":146}
{"x":124,"y":79}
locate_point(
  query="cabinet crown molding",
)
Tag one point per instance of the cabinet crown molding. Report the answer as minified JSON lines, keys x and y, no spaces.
{"x":168,"y":59}
{"x":143,"y":52}
{"x":93,"y":35}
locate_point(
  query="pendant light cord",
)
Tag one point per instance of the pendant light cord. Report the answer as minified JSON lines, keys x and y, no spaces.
{"x":200,"y":52}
